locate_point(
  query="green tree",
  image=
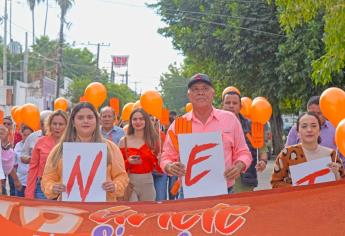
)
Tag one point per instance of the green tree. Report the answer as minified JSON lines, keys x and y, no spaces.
{"x":234,"y":42}
{"x":296,"y":13}
{"x":174,"y":89}
{"x":77,"y":62}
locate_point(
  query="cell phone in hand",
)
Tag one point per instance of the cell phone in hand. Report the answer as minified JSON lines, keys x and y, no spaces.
{"x":135,"y":157}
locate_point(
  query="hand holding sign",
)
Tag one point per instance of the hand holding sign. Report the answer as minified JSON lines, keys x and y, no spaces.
{"x":59,"y":188}
{"x":335,"y":168}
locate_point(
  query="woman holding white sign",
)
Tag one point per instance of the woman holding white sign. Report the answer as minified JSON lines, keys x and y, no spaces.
{"x":308,"y":128}
{"x":83,"y":126}
{"x":140,"y":147}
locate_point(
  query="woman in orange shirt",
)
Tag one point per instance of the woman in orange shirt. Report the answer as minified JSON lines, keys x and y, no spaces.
{"x":83,"y":126}
{"x":55,"y":127}
{"x":139,"y":148}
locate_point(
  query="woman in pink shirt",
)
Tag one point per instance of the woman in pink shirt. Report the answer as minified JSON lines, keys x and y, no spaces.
{"x":7,"y":161}
{"x":55,"y":127}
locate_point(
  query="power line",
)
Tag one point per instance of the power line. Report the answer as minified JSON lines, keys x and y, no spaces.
{"x":231,"y":26}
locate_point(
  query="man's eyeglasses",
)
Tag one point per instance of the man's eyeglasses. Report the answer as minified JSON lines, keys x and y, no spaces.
{"x":200,"y":90}
{"x":7,"y":123}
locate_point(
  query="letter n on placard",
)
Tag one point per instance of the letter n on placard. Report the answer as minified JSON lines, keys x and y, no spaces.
{"x":84,"y":171}
{"x":203,"y":156}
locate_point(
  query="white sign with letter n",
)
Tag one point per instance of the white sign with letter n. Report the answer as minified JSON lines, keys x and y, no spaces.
{"x":203,"y":156}
{"x":84,"y":171}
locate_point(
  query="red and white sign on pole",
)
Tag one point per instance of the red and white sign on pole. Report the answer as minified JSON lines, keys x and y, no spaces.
{"x":120,"y":61}
{"x":84,"y":171}
{"x":203,"y":156}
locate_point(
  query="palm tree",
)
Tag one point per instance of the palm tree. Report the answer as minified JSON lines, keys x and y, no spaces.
{"x":46,"y":18}
{"x":32,"y":4}
{"x":65,"y":5}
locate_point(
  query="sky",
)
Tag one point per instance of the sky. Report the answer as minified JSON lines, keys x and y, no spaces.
{"x":127,"y":26}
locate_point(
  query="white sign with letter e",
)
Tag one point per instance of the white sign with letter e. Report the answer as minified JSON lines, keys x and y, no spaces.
{"x":312,"y":172}
{"x":203,"y":156}
{"x":84,"y":171}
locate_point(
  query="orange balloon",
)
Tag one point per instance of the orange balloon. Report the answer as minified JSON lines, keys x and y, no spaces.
{"x":189,"y":107}
{"x":95,"y":93}
{"x":136,"y":105}
{"x":340,"y":136}
{"x":31,"y":116}
{"x":1,"y":116}
{"x":230,"y":89}
{"x":61,"y":103}
{"x":332,"y":104}
{"x":261,"y":110}
{"x":13,"y":110}
{"x":126,"y":111}
{"x":152,"y":103}
{"x":246,"y":106}
{"x":17,"y":116}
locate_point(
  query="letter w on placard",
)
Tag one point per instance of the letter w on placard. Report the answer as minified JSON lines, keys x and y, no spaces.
{"x":76,"y":174}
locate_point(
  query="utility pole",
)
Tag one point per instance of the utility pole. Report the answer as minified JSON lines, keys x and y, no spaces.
{"x":112,"y":73}
{"x":135,"y":86}
{"x":4,"y":66}
{"x":26,"y":60}
{"x":97,"y":55}
{"x":10,"y":21}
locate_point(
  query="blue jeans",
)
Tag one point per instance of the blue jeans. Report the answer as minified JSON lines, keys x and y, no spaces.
{"x":160,"y":183}
{"x":12,"y":187}
{"x":21,"y":193}
{"x":180,"y":193}
{"x":38,"y":191}
{"x":3,"y":187}
{"x":171,"y":181}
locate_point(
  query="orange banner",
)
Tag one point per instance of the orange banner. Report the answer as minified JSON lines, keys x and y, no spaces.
{"x":305,"y":210}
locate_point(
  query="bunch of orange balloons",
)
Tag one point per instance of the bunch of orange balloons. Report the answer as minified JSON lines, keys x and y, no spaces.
{"x":332,"y":104}
{"x":60,"y":104}
{"x":246,"y":105}
{"x":258,"y":110}
{"x":95,"y":93}
{"x":126,"y":111}
{"x":261,"y":110}
{"x":27,"y":114}
{"x":189,"y":107}
{"x":152,"y":102}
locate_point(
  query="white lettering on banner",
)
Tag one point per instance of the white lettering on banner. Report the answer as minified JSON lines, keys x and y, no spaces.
{"x":65,"y":221}
{"x":6,"y":208}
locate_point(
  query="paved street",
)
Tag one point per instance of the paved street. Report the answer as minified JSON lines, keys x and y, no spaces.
{"x":265,"y":177}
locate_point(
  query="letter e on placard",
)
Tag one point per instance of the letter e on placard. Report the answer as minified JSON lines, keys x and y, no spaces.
{"x":203,"y":156}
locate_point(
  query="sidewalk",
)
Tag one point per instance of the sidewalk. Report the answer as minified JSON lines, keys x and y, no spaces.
{"x":264,"y":178}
